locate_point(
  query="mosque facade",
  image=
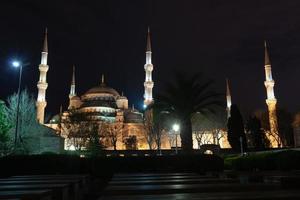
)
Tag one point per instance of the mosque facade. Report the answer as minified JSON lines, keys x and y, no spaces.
{"x":104,"y":104}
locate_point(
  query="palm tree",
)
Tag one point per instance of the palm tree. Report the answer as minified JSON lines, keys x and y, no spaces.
{"x":185,"y":97}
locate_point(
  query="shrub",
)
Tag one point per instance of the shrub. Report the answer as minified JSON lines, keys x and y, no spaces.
{"x":284,"y":160}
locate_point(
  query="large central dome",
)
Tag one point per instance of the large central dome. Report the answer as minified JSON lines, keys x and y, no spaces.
{"x":100,"y":102}
{"x":102,"y":89}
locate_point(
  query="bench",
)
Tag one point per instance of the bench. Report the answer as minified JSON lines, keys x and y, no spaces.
{"x":27,"y":195}
{"x":74,"y":190}
{"x":59,"y":191}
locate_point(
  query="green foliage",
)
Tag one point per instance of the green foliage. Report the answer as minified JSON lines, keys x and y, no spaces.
{"x":29,"y":130}
{"x":4,"y":130}
{"x":283,"y":160}
{"x":94,"y":146}
{"x":236,"y":129}
{"x":184,"y":97}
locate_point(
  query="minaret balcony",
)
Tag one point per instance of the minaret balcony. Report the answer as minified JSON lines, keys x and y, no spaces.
{"x":42,"y":85}
{"x":149,"y":84}
{"x":269,"y":83}
{"x":43,"y":68}
{"x":149,"y":67}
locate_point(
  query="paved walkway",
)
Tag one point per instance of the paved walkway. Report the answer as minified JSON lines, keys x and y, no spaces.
{"x":180,"y":186}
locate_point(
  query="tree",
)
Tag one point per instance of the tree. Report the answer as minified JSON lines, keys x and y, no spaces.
{"x":85,"y":132}
{"x":201,"y":125}
{"x":185,"y":97}
{"x":285,"y":128}
{"x":113,"y":132}
{"x":236,"y":129}
{"x":131,"y":143}
{"x":256,"y":133}
{"x":209,"y":128}
{"x":29,"y":129}
{"x":4,"y":130}
{"x":149,"y":128}
{"x":94,"y":144}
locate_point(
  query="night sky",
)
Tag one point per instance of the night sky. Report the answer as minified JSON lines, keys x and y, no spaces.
{"x":219,"y":38}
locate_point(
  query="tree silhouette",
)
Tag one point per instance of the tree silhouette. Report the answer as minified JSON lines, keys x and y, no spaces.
{"x":183,"y":98}
{"x":256,"y":132}
{"x":236,"y":129}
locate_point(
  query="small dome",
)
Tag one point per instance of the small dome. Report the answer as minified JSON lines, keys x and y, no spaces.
{"x":122,"y":97}
{"x":133,"y":116}
{"x":75,"y":98}
{"x":55,"y":119}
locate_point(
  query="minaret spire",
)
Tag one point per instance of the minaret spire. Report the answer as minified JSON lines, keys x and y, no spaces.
{"x":148,"y":41}
{"x":45,"y":47}
{"x":228,"y":98}
{"x":42,"y":83}
{"x":267,"y":58}
{"x":148,"y":84}
{"x":271,"y":102}
{"x":72,"y":89}
{"x":102,"y":80}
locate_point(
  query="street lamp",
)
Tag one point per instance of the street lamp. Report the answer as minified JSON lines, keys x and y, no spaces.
{"x":241,"y":144}
{"x":176,"y":129}
{"x":18,"y":64}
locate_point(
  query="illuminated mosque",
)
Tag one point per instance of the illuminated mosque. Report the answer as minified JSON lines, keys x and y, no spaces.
{"x":104,"y":103}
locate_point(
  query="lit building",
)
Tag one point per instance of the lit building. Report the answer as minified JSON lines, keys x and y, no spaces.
{"x":104,"y":104}
{"x":272,"y":134}
{"x":228,"y":99}
{"x":42,"y":83}
{"x":148,"y":84}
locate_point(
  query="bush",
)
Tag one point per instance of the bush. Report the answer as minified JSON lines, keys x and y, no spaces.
{"x":284,"y":160}
{"x":106,"y":166}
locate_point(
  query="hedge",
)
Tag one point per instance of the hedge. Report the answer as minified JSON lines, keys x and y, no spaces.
{"x":106,"y":166}
{"x":283,"y":160}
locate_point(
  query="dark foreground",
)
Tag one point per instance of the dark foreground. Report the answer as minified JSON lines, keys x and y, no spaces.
{"x":63,"y":177}
{"x":181,"y":186}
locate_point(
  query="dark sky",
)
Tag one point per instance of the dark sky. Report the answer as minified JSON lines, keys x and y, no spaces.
{"x":219,"y":38}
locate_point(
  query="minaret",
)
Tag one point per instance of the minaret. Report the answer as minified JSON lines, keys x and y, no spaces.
{"x":271,"y":101}
{"x":148,"y":84}
{"x":228,"y":98}
{"x":72,"y":89}
{"x":42,"y":84}
{"x":102,"y":80}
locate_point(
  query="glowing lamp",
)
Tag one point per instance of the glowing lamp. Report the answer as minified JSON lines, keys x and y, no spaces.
{"x":176,"y":127}
{"x":16,"y":64}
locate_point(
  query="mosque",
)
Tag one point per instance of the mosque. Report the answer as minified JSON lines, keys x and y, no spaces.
{"x":104,"y":104}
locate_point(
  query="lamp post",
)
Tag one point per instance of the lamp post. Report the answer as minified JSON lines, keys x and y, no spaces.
{"x":241,"y":144}
{"x":176,"y":129}
{"x":17,"y":64}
